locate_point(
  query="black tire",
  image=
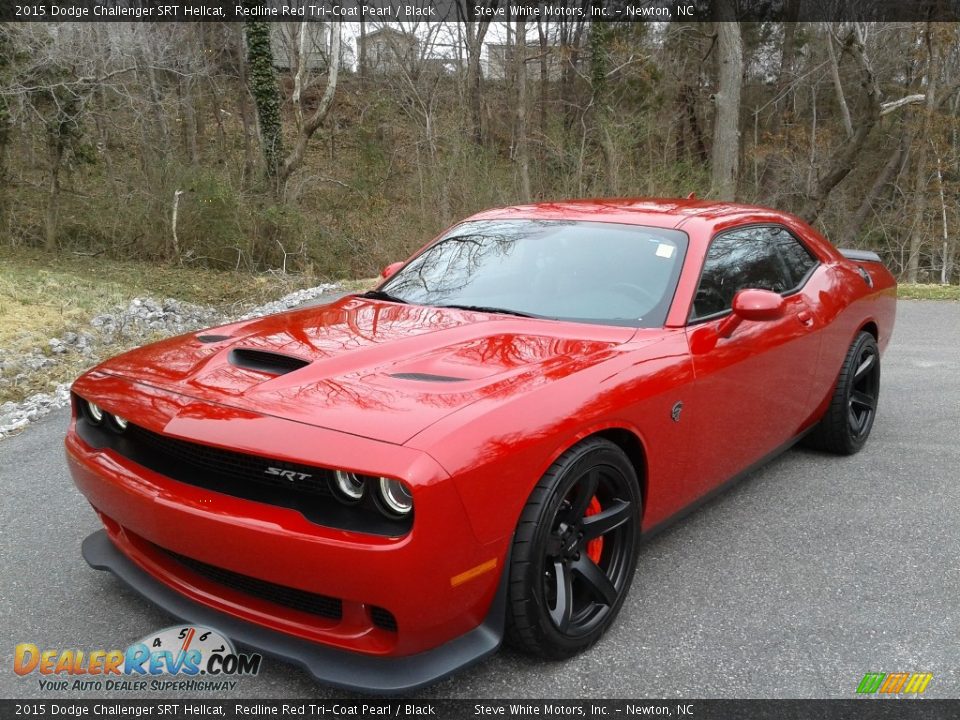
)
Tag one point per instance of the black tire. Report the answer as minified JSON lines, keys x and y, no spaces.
{"x":557,"y":544}
{"x":846,"y":425}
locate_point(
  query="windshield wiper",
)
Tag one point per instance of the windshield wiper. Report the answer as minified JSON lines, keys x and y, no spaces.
{"x":487,"y":309}
{"x":382,"y":295}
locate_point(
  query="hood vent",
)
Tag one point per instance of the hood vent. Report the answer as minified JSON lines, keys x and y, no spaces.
{"x":213,"y":338}
{"x":426,"y":377}
{"x":265,"y":362}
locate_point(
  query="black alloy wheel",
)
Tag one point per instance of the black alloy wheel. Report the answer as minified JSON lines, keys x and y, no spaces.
{"x":575,"y":551}
{"x":865,"y":390}
{"x":846,"y":425}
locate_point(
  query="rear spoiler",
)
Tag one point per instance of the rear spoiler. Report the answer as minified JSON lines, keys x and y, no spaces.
{"x":860,"y":255}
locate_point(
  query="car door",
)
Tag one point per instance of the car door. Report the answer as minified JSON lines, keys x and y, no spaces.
{"x":751,"y":390}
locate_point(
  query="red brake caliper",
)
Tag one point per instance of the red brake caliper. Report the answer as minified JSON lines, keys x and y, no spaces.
{"x":595,"y":546}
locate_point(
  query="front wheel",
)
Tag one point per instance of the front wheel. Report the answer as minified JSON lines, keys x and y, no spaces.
{"x":846,"y":425}
{"x":574,"y":552}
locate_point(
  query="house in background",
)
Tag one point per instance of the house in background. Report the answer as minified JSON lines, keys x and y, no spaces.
{"x":387,"y":50}
{"x":500,"y":60}
{"x":285,"y":42}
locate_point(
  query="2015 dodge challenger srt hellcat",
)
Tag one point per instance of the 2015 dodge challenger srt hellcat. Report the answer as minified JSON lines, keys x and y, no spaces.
{"x":383,"y":488}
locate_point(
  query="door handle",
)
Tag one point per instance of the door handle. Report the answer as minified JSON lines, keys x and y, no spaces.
{"x":805,"y":317}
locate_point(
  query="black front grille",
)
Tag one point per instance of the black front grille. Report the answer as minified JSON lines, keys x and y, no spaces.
{"x":304,"y":488}
{"x":308,"y":602}
{"x":383,"y":618}
{"x":239,"y":467}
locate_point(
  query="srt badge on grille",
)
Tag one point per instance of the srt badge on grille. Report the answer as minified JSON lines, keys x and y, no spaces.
{"x":288,"y":474}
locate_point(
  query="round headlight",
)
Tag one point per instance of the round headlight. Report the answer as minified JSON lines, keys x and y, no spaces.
{"x":397,"y":500}
{"x":351,"y":486}
{"x":119,"y":422}
{"x":95,"y":413}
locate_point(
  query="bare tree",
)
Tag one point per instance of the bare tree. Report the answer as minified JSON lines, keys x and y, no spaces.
{"x":522,"y":151}
{"x":922,"y":175}
{"x":474,"y":33}
{"x":307,"y":126}
{"x":725,"y":157}
{"x":266,"y":94}
{"x":846,"y":157}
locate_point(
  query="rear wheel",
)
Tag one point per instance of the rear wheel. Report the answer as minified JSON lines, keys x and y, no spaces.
{"x":574,"y":552}
{"x":846,"y":425}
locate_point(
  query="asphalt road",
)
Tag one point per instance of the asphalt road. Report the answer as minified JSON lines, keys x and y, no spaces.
{"x":794,"y":583}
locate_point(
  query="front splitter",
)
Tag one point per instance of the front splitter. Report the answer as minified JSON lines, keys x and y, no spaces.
{"x":350,"y":671}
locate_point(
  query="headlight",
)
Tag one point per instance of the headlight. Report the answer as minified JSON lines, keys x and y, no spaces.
{"x":120,"y":423}
{"x":95,"y":413}
{"x":395,"y":498}
{"x":349,"y":485}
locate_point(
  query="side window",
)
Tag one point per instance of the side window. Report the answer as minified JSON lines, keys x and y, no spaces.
{"x":736,"y":260}
{"x":798,"y":259}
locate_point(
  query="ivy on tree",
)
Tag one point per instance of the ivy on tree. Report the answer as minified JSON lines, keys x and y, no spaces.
{"x":266,"y":94}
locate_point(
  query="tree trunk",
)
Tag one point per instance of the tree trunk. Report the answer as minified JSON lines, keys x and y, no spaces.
{"x":542,"y":30}
{"x":362,"y":53}
{"x":599,"y":49}
{"x":5,"y":127}
{"x":5,"y":131}
{"x":248,"y":122}
{"x":266,"y":94}
{"x":890,"y":169}
{"x":475,"y":34}
{"x":188,"y":121}
{"x":921,"y":179}
{"x":522,"y":154}
{"x":156,"y":107}
{"x":571,"y":35}
{"x":725,"y":158}
{"x":848,"y":155}
{"x":838,"y":86}
{"x":52,"y":211}
{"x":313,"y":123}
{"x":787,"y":55}
{"x":689,"y":96}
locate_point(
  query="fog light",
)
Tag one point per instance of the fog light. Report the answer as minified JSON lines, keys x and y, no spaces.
{"x":396,"y":499}
{"x":349,"y":485}
{"x":95,"y":413}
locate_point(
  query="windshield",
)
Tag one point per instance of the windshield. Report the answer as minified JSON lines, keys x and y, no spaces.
{"x":557,"y":269}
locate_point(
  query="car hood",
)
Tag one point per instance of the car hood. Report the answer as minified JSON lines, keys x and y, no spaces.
{"x":365,"y":367}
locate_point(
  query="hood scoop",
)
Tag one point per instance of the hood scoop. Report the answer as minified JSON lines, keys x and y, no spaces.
{"x":270,"y":363}
{"x":426,"y":377}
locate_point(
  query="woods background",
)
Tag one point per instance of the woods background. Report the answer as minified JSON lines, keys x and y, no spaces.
{"x":250,"y":146}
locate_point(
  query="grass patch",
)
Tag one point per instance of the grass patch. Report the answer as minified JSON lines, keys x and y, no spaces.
{"x":360,"y":285}
{"x":917,"y":291}
{"x":41,"y":296}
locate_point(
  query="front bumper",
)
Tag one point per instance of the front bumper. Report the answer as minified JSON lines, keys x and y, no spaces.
{"x":348,"y":670}
{"x":440,"y":613}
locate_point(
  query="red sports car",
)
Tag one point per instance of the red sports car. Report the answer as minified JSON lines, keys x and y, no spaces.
{"x":383,"y":488}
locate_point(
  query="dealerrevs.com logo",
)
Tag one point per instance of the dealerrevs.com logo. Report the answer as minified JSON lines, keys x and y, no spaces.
{"x":183,"y":657}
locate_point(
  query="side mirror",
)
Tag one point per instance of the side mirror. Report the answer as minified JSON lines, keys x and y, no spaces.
{"x":754,"y":305}
{"x":390,"y":269}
